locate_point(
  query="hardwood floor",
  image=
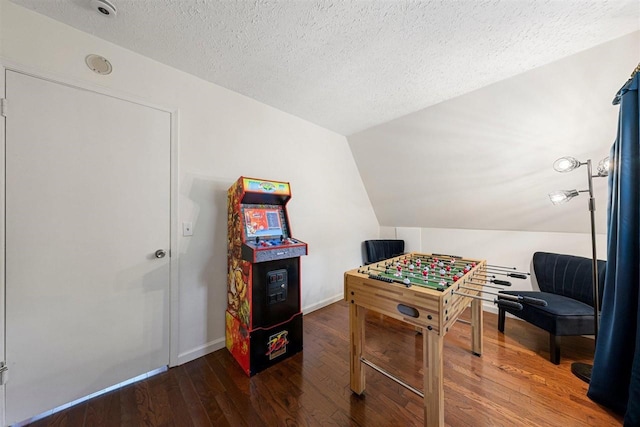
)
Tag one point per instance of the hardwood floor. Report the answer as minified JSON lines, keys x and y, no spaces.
{"x":512,"y":384}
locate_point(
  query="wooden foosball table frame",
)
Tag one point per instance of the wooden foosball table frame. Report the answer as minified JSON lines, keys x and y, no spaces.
{"x":431,"y":311}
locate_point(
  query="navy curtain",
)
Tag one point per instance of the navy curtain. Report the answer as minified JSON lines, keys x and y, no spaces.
{"x":615,"y":380}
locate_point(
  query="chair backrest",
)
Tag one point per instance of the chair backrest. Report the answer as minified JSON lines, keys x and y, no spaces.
{"x":377,"y":250}
{"x":568,"y":275}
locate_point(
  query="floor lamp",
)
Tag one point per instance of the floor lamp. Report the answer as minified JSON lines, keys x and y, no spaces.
{"x":567,"y":164}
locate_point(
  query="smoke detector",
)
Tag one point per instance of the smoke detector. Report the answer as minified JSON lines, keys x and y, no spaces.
{"x":104,"y":8}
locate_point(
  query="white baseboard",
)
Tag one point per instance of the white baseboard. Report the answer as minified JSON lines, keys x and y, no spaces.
{"x":219,"y":343}
{"x":200,"y":351}
{"x":313,"y":307}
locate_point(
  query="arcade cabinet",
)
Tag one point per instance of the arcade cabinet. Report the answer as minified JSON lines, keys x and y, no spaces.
{"x":263,"y":317}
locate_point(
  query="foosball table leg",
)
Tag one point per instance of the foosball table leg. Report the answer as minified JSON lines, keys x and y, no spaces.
{"x":432,"y":347}
{"x":356,"y":332}
{"x":476,"y":327}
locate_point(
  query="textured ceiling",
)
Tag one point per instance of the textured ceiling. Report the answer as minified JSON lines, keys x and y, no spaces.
{"x":350,"y":65}
{"x":484,"y":159}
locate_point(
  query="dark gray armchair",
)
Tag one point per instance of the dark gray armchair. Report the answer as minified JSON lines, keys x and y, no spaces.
{"x":380,"y":249}
{"x":565,"y":282}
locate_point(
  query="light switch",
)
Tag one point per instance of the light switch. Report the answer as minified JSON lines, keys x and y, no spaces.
{"x":187,"y":229}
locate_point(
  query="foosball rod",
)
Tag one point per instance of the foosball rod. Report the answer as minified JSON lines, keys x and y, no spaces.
{"x":525,"y":273}
{"x":501,"y":267}
{"x":431,"y":259}
{"x":432,"y":256}
{"x":493,"y":269}
{"x":509,"y":269}
{"x":458,"y":258}
{"x":430,"y":282}
{"x":496,"y":281}
{"x":440,"y":258}
{"x":514,"y":275}
{"x":435,"y":280}
{"x":404,"y":269}
{"x":384,"y":279}
{"x":406,"y":275}
{"x":519,"y":298}
{"x":446,"y":260}
{"x":460,"y":261}
{"x":499,"y":302}
{"x":406,"y":281}
{"x":419,"y":268}
{"x":488,"y":286}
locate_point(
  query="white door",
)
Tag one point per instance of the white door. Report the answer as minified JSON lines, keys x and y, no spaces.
{"x":87,"y":206}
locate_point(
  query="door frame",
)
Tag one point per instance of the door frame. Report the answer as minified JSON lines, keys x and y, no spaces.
{"x":6,"y":65}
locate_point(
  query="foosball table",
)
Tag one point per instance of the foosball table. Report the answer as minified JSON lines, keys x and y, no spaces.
{"x":428,"y":292}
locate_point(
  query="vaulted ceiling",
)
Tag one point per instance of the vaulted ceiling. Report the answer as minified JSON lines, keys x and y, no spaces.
{"x":350,"y":65}
{"x":483,"y":160}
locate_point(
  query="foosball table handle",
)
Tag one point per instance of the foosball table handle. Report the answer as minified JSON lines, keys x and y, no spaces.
{"x":502,"y":303}
{"x":534,"y":301}
{"x":522,"y":299}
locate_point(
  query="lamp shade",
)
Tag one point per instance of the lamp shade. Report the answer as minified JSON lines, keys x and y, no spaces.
{"x":566,"y":164}
{"x":562,"y":196}
{"x":603,"y":167}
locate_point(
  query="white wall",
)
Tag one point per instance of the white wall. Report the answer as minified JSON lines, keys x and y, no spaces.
{"x":221,"y":136}
{"x":484,"y":160}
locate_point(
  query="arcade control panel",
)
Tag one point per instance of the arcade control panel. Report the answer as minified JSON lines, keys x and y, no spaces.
{"x":272,"y":248}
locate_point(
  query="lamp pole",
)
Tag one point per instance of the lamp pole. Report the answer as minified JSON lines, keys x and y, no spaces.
{"x":579,"y":369}
{"x":592,"y":211}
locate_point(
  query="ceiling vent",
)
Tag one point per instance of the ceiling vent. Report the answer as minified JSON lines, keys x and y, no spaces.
{"x":98,"y":64}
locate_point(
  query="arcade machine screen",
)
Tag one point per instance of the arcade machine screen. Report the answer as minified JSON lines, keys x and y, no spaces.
{"x":264,"y":221}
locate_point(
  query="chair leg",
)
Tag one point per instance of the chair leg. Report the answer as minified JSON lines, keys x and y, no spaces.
{"x":501,"y":316}
{"x":554,"y":349}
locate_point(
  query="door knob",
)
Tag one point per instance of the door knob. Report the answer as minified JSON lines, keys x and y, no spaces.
{"x":160,"y":253}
